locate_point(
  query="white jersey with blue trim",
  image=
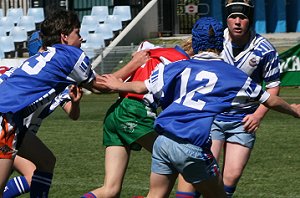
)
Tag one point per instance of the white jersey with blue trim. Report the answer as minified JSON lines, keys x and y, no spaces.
{"x":34,"y":120}
{"x":260,"y":61}
{"x":192,"y":92}
{"x":42,"y":77}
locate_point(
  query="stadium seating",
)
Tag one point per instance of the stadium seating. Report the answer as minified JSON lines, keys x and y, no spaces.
{"x":6,"y":23}
{"x":105,"y":30}
{"x":1,"y":12}
{"x":7,"y":44}
{"x":15,"y":13}
{"x":123,"y":12}
{"x":18,"y":34}
{"x":91,"y":22}
{"x":93,"y":45}
{"x":2,"y":55}
{"x":37,"y":13}
{"x":2,"y":31}
{"x":84,"y":31}
{"x":101,"y":12}
{"x":27,"y":23}
{"x":114,"y":21}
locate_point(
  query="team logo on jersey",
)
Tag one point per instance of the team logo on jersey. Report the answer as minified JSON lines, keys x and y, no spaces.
{"x":128,"y":127}
{"x":253,"y":62}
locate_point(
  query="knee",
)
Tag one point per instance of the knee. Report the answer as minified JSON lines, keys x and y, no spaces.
{"x":47,"y":163}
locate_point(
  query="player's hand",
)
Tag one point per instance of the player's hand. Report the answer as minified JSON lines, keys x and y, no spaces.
{"x":251,"y":123}
{"x":75,"y":93}
{"x":140,"y":58}
{"x":110,"y":81}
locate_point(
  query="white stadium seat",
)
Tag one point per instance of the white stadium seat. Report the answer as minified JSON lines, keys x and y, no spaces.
{"x":37,"y":13}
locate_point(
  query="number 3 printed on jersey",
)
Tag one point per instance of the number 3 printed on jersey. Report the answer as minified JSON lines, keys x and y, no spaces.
{"x":188,"y":100}
{"x":36,"y":67}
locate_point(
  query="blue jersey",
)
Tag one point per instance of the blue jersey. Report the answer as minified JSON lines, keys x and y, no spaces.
{"x":192,"y":92}
{"x":34,"y":120}
{"x":260,"y":61}
{"x":42,"y":77}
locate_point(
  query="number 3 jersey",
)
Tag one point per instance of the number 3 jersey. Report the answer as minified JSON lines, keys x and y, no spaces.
{"x":42,"y":77}
{"x":192,"y":92}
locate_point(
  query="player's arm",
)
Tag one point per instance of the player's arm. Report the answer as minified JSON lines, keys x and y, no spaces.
{"x":113,"y":83}
{"x":72,"y":107}
{"x":138,"y":59}
{"x":278,"y":104}
{"x":252,"y":121}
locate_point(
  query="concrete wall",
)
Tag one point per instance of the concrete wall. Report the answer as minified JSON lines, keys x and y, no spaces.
{"x":146,"y":27}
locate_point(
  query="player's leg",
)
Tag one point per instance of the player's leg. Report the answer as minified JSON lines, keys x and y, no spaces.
{"x":8,"y":137}
{"x":235,"y":160}
{"x":6,"y":165}
{"x":185,"y":189}
{"x":147,"y":141}
{"x":20,"y":184}
{"x":161,"y":185}
{"x":33,"y":149}
{"x":218,"y":139}
{"x":211,"y":188}
{"x":116,"y":161}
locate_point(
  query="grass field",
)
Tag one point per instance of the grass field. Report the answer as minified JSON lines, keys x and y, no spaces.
{"x":273,"y":170}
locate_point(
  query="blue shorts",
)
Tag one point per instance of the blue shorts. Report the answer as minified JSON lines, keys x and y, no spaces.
{"x":232,"y":132}
{"x":172,"y":156}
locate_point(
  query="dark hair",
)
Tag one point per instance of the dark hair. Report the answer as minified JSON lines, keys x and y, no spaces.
{"x":57,"y":23}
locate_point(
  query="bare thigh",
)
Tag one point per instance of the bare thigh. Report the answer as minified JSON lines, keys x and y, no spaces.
{"x":161,"y":185}
{"x":24,"y":167}
{"x":235,"y":160}
{"x":116,"y":162}
{"x":6,"y":166}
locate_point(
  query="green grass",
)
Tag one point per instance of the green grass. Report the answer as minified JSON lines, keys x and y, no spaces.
{"x":273,"y":169}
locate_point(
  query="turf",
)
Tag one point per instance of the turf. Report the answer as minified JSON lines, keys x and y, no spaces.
{"x":273,"y":169}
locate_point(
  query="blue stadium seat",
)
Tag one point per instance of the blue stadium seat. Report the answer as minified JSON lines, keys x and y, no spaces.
{"x":27,"y":23}
{"x":6,"y":23}
{"x":114,"y":21}
{"x":105,"y":30}
{"x":124,"y":12}
{"x":93,"y":45}
{"x":7,"y":44}
{"x":15,"y":13}
{"x":37,"y":13}
{"x":1,"y":12}
{"x":18,"y":34}
{"x":91,"y":22}
{"x":101,"y":12}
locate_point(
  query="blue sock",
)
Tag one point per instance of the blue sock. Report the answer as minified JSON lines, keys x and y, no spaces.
{"x":15,"y":187}
{"x":187,"y":194}
{"x":88,"y":195}
{"x":40,"y":184}
{"x":229,"y":190}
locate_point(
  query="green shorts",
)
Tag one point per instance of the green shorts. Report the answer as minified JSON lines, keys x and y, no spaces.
{"x":126,"y":121}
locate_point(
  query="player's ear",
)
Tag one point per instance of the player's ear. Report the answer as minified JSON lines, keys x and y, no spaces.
{"x":63,"y":38}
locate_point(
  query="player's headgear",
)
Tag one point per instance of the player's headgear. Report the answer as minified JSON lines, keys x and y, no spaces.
{"x":242,"y":7}
{"x":34,"y":43}
{"x":202,"y":36}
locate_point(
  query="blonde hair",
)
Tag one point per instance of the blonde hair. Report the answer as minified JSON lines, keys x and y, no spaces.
{"x":186,"y":45}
